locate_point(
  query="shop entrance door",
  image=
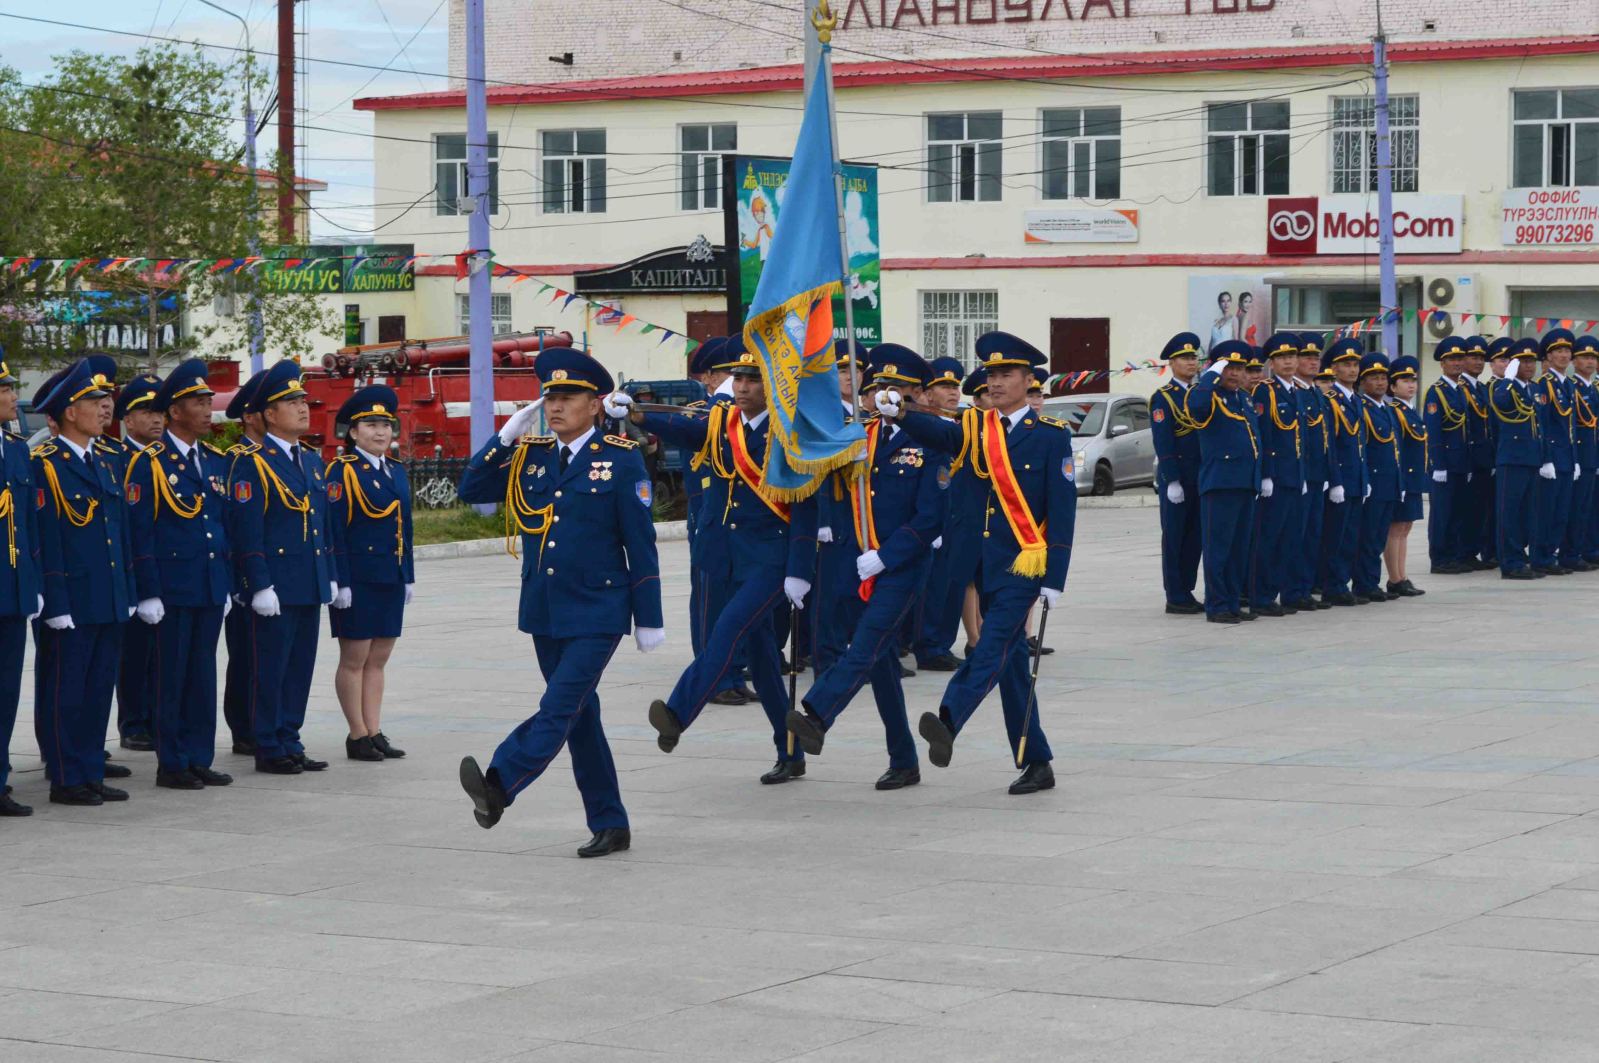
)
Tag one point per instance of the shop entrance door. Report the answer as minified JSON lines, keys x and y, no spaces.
{"x":1078,"y":343}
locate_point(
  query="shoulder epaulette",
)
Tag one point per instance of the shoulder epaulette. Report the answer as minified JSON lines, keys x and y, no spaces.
{"x":106,"y":448}
{"x":43,"y":450}
{"x":622,"y":441}
{"x":154,"y":449}
{"x":15,"y":437}
{"x":249,"y":448}
{"x":536,"y":441}
{"x":1053,"y":422}
{"x":695,"y":405}
{"x":213,"y":448}
{"x":341,"y":458}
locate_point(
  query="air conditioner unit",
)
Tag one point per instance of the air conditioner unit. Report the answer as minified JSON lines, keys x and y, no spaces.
{"x":1457,"y":295}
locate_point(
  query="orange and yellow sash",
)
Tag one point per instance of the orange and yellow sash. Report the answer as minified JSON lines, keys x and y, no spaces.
{"x":747,"y":469}
{"x":1033,"y":559}
{"x":860,"y":496}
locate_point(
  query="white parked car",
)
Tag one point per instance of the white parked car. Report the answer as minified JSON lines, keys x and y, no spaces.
{"x":1111,"y":440}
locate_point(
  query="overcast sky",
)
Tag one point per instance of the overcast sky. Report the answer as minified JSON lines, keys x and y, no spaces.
{"x":358,"y":31}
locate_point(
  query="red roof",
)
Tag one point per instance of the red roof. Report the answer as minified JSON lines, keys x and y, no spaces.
{"x":790,"y":78}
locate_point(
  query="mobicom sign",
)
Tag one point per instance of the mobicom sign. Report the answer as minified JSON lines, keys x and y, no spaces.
{"x":1347,"y":225}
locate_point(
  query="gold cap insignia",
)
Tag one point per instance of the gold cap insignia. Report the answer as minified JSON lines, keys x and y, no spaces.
{"x":559,"y":374}
{"x":379,"y":408}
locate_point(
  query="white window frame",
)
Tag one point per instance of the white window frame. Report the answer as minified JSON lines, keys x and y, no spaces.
{"x":953,"y":319}
{"x":499,"y":313}
{"x":1249,"y":145}
{"x":700,"y":169}
{"x":1354,"y":142}
{"x":968,"y":158}
{"x":1086,"y":153}
{"x":449,"y":174}
{"x":578,"y":167}
{"x":1569,"y":176}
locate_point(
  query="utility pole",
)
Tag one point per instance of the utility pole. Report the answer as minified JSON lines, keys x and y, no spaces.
{"x":1385,"y":197}
{"x":286,"y":121}
{"x":479,"y":285}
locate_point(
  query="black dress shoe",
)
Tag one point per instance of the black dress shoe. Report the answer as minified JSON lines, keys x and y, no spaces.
{"x":1546,"y":570}
{"x":1032,"y":644}
{"x":1035,"y":777}
{"x":1519,"y":573}
{"x":1452,"y":568}
{"x":1248,"y":614}
{"x":116,"y":771}
{"x":11,"y":807}
{"x":381,"y":743}
{"x":278,"y":766}
{"x":488,"y":796}
{"x":1289,"y":608}
{"x":244,"y":747}
{"x":750,"y":697}
{"x":906,"y":673}
{"x":940,"y":740}
{"x":944,"y":662}
{"x":1222,"y":618}
{"x":1269,"y":609}
{"x":899,"y":778}
{"x":1341,"y":598}
{"x":137,"y":743}
{"x":178,"y":780}
{"x":1405,"y":589}
{"x":783,"y":771}
{"x":361,"y":749}
{"x":107,"y":793}
{"x":808,"y":729}
{"x":608,"y":841}
{"x":731,"y":696}
{"x":211,"y":778}
{"x":1487,"y":563}
{"x":1323,"y":603}
{"x":307,"y":764}
{"x":1578,"y":565}
{"x":1184,"y":608}
{"x":74,"y":795}
{"x":1361,"y":598}
{"x":668,"y":729}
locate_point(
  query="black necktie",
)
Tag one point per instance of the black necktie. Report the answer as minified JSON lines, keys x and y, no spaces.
{"x":566,"y":458}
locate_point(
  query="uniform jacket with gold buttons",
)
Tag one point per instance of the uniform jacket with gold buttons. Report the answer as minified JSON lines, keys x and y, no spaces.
{"x":370,"y":515}
{"x":84,"y":544}
{"x":178,"y":512}
{"x":280,"y":525}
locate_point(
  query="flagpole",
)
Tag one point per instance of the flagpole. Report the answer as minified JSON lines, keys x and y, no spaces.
{"x":822,"y":21}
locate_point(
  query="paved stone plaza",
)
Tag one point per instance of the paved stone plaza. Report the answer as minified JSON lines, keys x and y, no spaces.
{"x":1367,"y":835}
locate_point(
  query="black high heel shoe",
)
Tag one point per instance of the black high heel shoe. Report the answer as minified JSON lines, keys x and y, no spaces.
{"x":361,"y":749}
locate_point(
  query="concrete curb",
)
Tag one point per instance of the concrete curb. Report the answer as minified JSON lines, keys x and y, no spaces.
{"x":672,"y":531}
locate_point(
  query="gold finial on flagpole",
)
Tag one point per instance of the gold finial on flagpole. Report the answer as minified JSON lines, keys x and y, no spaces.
{"x":823,"y":20}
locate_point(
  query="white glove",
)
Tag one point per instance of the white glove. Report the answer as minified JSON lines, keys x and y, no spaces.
{"x":131,"y":610}
{"x":1266,"y":487}
{"x":410,"y":592}
{"x":649,"y":639}
{"x":1468,"y":475}
{"x":888,"y":402}
{"x":938,"y":543}
{"x":1367,"y":494}
{"x":869,"y":565}
{"x":35,"y":614}
{"x":520,"y":422}
{"x":1547,"y":470}
{"x":1174,"y":493}
{"x":1324,"y":487}
{"x":618,"y":404}
{"x":796,"y":590}
{"x":151,"y":610}
{"x":1401,"y":496}
{"x":1336,"y":495}
{"x":265,"y":603}
{"x":824,"y":535}
{"x":1304,"y":489}
{"x":1049,"y":596}
{"x":1576,"y":472}
{"x":60,"y":623}
{"x":1440,"y":476}
{"x":1214,"y":367}
{"x":227,"y":605}
{"x":341,"y":597}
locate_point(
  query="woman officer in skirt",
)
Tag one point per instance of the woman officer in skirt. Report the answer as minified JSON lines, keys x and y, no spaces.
{"x":370,"y":510}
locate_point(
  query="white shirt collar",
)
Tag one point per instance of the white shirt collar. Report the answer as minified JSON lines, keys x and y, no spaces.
{"x":1585,"y":379}
{"x":753,"y":422}
{"x":376,"y":460}
{"x":574,"y":447}
{"x":1184,"y":384}
{"x":1348,"y":393}
{"x":288,"y":448}
{"x":1455,"y":383}
{"x":79,"y":451}
{"x":724,"y":388}
{"x":183,"y":449}
{"x":1285,"y":382}
{"x":1015,"y":418}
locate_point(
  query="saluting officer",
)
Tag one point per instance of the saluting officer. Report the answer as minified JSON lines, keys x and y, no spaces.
{"x":1582,"y":535}
{"x":21,"y":591}
{"x":1382,"y":469}
{"x":1523,"y":459}
{"x":582,"y":508}
{"x":769,"y":559}
{"x":369,"y":509}
{"x":183,"y":573}
{"x":1451,"y":534}
{"x":1024,"y":460}
{"x":1413,"y":445}
{"x":84,"y":550}
{"x":1340,"y":532}
{"x":1177,"y":475}
{"x":136,"y":673}
{"x":237,"y":622}
{"x":1482,"y":431}
{"x":1315,"y":436}
{"x":1553,"y":392}
{"x":1229,"y":476}
{"x":905,"y":500}
{"x":285,"y":567}
{"x":1283,"y":488}
{"x":940,"y":605}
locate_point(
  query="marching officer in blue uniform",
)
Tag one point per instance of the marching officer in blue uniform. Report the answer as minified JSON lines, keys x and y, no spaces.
{"x":1523,"y":460}
{"x":21,"y":590}
{"x":136,"y":673}
{"x":1223,"y":416}
{"x":1582,"y":531}
{"x":1482,"y":433}
{"x":285,"y":567}
{"x":238,"y":620}
{"x":1382,"y":472}
{"x":1403,"y":379}
{"x":1029,"y":513}
{"x":1315,"y":436}
{"x":940,"y":605}
{"x":770,"y":559}
{"x":369,"y":510}
{"x":1177,"y":475}
{"x":906,"y":499}
{"x":183,"y":574}
{"x":1283,"y":490}
{"x":84,"y":554}
{"x":963,"y":529}
{"x":831,"y":613}
{"x":1554,"y":394}
{"x":1340,"y":532}
{"x":581,"y":506}
{"x":1451,"y":536}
